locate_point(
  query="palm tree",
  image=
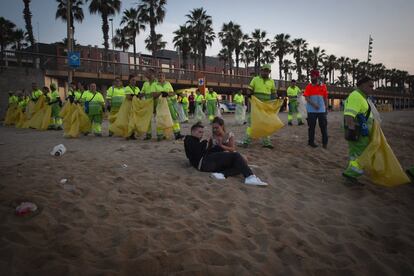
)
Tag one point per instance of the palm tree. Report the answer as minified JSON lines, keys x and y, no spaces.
{"x":286,"y":66}
{"x":331,"y":66}
{"x":6,"y":33}
{"x":27,"y":14}
{"x":223,"y":55}
{"x":308,"y":62}
{"x":181,"y":41}
{"x":281,"y":46}
{"x":202,"y":32}
{"x":267,"y":57}
{"x":318,"y":56}
{"x":76,"y":15}
{"x":121,"y":39}
{"x":299,"y":46}
{"x":133,"y":25}
{"x":105,"y":8}
{"x":353,"y":69}
{"x":226,"y":37}
{"x":247,"y":57}
{"x":343,"y":63}
{"x":156,"y":44}
{"x":152,"y":12}
{"x":258,"y":43}
{"x":19,"y":39}
{"x":238,"y":38}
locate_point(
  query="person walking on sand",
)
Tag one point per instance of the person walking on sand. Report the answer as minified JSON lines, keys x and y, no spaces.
{"x":220,"y":164}
{"x":358,"y":121}
{"x":316,"y":96}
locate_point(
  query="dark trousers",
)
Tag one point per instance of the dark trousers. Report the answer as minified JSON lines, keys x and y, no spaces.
{"x":227,"y":163}
{"x":323,"y":125}
{"x":192,"y":107}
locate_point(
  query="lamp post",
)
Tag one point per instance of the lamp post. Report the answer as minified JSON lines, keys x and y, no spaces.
{"x":69,"y":36}
{"x":112,"y":41}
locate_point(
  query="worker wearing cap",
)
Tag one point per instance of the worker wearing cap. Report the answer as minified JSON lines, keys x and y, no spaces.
{"x":263,"y":88}
{"x":358,"y":121}
{"x":316,"y":96}
{"x":293,"y":92}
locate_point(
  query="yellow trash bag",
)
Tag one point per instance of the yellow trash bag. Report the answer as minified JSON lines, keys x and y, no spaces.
{"x":67,"y":109}
{"x":30,"y":109}
{"x":264,"y":117}
{"x":140,"y":116}
{"x":66,"y":114}
{"x":11,"y":115}
{"x":379,"y":162}
{"x":41,"y":117}
{"x":77,"y":123}
{"x":163,"y":117}
{"x":21,"y":119}
{"x":119,"y":126}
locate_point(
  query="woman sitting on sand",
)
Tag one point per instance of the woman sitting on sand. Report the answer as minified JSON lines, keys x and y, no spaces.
{"x":222,"y":164}
{"x":221,"y":140}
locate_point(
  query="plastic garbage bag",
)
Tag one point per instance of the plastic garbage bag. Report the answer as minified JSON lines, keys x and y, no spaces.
{"x":264,"y":117}
{"x":120,"y":126}
{"x":140,"y":115}
{"x":41,"y":117}
{"x":77,"y":123}
{"x":302,"y":107}
{"x":379,"y":162}
{"x":199,"y":114}
{"x":240,"y":114}
{"x":163,"y":117}
{"x":181,"y":114}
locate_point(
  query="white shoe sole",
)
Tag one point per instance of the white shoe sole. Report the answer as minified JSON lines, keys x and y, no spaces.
{"x":257,"y":184}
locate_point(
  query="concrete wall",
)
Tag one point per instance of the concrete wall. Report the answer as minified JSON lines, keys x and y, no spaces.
{"x":16,"y":79}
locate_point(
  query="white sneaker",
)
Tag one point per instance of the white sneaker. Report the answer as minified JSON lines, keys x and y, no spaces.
{"x":218,"y":176}
{"x":254,"y":180}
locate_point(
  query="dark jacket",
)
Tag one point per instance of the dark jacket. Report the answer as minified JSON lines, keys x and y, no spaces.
{"x":194,"y":149}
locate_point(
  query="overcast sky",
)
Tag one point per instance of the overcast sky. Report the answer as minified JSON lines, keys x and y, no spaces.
{"x":341,"y":28}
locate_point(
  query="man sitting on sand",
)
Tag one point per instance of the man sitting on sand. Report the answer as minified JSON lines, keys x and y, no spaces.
{"x":222,"y":164}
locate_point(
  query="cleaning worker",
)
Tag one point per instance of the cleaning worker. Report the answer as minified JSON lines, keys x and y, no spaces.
{"x":55,"y":102}
{"x":115,"y":95}
{"x":185,"y":103}
{"x":293,"y":93}
{"x":263,"y":88}
{"x":94,"y":104}
{"x":358,"y":121}
{"x":212,"y":102}
{"x":199,"y":103}
{"x":150,"y":89}
{"x":132,"y":90}
{"x":165,"y":87}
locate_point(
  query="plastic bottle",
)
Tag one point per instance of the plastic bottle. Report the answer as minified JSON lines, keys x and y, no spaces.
{"x":58,"y":150}
{"x":25,"y":208}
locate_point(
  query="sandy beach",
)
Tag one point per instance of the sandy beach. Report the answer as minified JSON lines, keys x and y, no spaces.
{"x":138,"y":208}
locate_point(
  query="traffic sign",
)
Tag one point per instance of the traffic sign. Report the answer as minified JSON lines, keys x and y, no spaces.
{"x":200,"y":81}
{"x":74,"y":59}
